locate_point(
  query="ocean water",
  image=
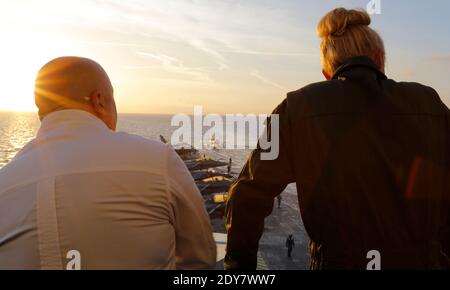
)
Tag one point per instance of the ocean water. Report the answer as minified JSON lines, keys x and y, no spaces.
{"x":17,"y":129}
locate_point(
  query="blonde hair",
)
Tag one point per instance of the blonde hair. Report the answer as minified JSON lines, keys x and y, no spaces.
{"x":346,"y":34}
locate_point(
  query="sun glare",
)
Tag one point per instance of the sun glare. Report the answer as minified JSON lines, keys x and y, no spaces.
{"x":22,"y":55}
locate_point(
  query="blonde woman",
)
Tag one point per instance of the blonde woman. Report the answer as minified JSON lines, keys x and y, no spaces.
{"x":369,"y":155}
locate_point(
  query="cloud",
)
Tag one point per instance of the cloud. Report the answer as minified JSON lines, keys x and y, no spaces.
{"x":209,"y":26}
{"x":270,"y":53}
{"x":215,"y":28}
{"x":111,"y":43}
{"x":200,"y":45}
{"x":180,"y":43}
{"x":174,"y":65}
{"x":265,"y":80}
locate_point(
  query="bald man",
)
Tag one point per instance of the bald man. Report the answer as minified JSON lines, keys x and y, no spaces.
{"x":81,"y":196}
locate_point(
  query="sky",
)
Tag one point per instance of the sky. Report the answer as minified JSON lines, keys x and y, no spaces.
{"x":230,"y":56}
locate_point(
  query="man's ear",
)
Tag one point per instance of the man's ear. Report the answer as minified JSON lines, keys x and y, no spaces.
{"x":98,"y":102}
{"x":326,"y":75}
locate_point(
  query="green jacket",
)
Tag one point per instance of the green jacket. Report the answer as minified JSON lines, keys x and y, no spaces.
{"x":370,"y":157}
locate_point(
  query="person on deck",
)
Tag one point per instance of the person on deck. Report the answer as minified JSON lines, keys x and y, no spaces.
{"x":290,"y":244}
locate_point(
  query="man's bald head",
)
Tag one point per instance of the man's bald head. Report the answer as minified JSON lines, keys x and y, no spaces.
{"x":75,"y":83}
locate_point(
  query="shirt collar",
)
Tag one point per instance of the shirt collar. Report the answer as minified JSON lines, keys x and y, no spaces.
{"x":70,"y":118}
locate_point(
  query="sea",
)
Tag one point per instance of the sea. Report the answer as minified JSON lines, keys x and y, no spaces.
{"x":19,"y":128}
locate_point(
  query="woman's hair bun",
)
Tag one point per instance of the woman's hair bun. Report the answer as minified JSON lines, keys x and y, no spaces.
{"x":338,"y":21}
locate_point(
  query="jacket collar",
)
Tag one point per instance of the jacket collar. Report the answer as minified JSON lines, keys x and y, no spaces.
{"x":359,"y":67}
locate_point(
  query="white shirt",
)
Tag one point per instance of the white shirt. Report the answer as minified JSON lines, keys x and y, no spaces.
{"x":119,"y":200}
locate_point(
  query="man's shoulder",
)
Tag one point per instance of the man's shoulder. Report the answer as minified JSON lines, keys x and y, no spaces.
{"x":106,"y":152}
{"x":140,"y":148}
{"x":125,"y":150}
{"x":135,"y":142}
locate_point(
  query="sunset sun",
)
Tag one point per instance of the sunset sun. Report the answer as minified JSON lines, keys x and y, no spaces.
{"x":23,"y":53}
